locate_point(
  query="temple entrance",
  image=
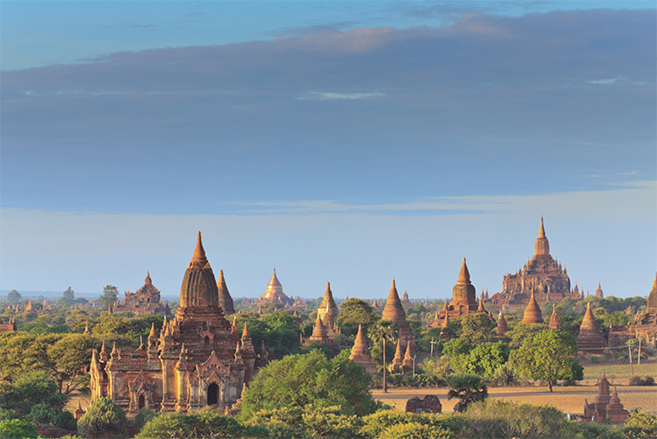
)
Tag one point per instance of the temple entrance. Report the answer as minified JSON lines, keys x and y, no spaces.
{"x":142,"y":401}
{"x":213,"y":394}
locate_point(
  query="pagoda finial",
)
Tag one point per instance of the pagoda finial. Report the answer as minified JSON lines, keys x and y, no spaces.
{"x":148,"y":280}
{"x":199,"y":252}
{"x":541,"y":233}
{"x":153,"y":334}
{"x":246,"y":331}
{"x":542,"y":246}
{"x":464,"y":275}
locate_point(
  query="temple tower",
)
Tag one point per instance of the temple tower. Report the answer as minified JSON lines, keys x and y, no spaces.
{"x":360,"y":354}
{"x":652,"y":297}
{"x":554,"y":320}
{"x":502,"y":327}
{"x":225,"y":300}
{"x":532,"y":312}
{"x":274,"y":293}
{"x":589,"y":339}
{"x":328,"y":306}
{"x":394,"y":311}
{"x":598,"y":293}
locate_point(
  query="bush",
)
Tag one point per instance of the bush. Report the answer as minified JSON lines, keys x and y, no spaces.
{"x":143,"y":416}
{"x":642,"y":381}
{"x":649,"y":380}
{"x":203,"y":424}
{"x":17,"y":429}
{"x":504,"y":376}
{"x":594,"y":359}
{"x":640,"y":425}
{"x":414,"y":430}
{"x":103,"y":414}
{"x":383,"y":422}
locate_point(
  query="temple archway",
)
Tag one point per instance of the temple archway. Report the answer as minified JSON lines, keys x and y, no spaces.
{"x":142,"y":401}
{"x":213,"y":394}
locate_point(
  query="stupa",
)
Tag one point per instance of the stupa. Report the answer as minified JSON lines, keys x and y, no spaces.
{"x":225,"y":301}
{"x":589,"y":339}
{"x":394,"y":311}
{"x":502,"y":327}
{"x":198,"y":359}
{"x":398,"y":359}
{"x":554,"y":320}
{"x":328,"y":306}
{"x":542,"y":275}
{"x":598,"y":293}
{"x":464,"y":298}
{"x":320,"y":334}
{"x":360,"y":354}
{"x":274,"y":293}
{"x":532,"y":312}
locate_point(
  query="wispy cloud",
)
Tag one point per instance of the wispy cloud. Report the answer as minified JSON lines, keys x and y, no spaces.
{"x":616,"y":80}
{"x":329,"y":96}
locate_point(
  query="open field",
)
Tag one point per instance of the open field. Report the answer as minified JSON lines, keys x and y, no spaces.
{"x":564,"y":398}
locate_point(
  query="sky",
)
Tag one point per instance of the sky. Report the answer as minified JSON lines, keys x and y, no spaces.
{"x":354,"y":142}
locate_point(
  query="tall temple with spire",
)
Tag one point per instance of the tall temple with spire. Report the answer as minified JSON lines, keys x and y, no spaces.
{"x":542,"y":275}
{"x":464,"y":300}
{"x":394,"y":311}
{"x":643,"y":325}
{"x":146,"y":300}
{"x":198,"y":359}
{"x":275,"y":294}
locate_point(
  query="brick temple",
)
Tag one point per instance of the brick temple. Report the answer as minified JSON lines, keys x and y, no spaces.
{"x":198,"y":359}
{"x":146,"y":300}
{"x":542,"y":275}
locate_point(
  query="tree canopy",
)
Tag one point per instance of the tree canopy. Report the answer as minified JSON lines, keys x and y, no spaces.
{"x":300,"y":380}
{"x":548,"y":357}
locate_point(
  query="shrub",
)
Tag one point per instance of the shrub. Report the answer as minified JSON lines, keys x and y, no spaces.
{"x":594,"y":359}
{"x":649,"y":380}
{"x":203,"y":424}
{"x":17,"y":429}
{"x":640,"y":425}
{"x":414,"y":430}
{"x":381,"y":422}
{"x":103,"y":414}
{"x":143,"y":416}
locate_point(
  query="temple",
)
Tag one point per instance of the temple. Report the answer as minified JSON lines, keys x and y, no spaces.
{"x":464,"y":299}
{"x":605,"y":407}
{"x":360,"y":354}
{"x":9,"y":326}
{"x":394,"y":311}
{"x":589,"y":339}
{"x":198,"y":359}
{"x":146,"y":300}
{"x":225,"y":301}
{"x":328,"y":306}
{"x":532,"y":312}
{"x":274,"y":293}
{"x":643,"y":325}
{"x":542,"y":275}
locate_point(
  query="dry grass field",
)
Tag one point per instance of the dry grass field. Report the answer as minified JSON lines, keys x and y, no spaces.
{"x":564,"y":398}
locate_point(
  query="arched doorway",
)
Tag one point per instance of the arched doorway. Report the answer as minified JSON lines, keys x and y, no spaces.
{"x":142,"y":401}
{"x":213,"y":394}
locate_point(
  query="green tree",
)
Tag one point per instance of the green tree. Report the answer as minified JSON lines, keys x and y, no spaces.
{"x":110,"y":293}
{"x":14,"y":296}
{"x":477,"y":328}
{"x":17,"y":429}
{"x":381,"y":334}
{"x":486,"y":358}
{"x":548,"y":357}
{"x":300,"y":380}
{"x":640,"y":425}
{"x":524,"y":332}
{"x":103,"y":414}
{"x":356,"y":312}
{"x":206,"y":424}
{"x":468,"y":389}
{"x":457,"y":350}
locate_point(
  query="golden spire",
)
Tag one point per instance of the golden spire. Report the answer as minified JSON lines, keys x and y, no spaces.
{"x":246,"y":331}
{"x":464,"y":275}
{"x":199,"y":252}
{"x":153,"y":334}
{"x":542,"y":246}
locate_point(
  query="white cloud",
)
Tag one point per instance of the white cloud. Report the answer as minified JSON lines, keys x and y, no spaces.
{"x":325,"y":96}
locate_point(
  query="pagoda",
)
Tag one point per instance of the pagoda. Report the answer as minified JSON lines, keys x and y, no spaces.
{"x":464,"y":299}
{"x":589,"y":339}
{"x":542,"y":275}
{"x":328,"y":306}
{"x":225,"y":301}
{"x":146,"y":300}
{"x":360,"y":354}
{"x":598,"y":293}
{"x":554,"y":320}
{"x":274,"y":293}
{"x":606,"y":407}
{"x":198,"y":359}
{"x":394,"y":311}
{"x":532,"y":312}
{"x":502,"y":327}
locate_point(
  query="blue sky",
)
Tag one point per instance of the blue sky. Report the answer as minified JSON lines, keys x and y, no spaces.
{"x":354,"y":141}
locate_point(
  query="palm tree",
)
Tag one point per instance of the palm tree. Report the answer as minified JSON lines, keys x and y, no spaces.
{"x":468,"y":389}
{"x":383,"y":331}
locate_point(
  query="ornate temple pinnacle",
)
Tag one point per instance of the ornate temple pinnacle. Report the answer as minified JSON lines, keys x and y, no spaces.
{"x":199,"y":252}
{"x":148,"y":280}
{"x":464,"y":275}
{"x":542,"y":246}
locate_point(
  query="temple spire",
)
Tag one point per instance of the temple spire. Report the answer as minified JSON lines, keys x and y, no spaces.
{"x":148,"y":280}
{"x":199,"y":252}
{"x":542,"y":246}
{"x":464,"y":275}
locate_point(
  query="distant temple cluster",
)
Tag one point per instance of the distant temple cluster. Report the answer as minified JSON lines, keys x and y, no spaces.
{"x":605,"y":407}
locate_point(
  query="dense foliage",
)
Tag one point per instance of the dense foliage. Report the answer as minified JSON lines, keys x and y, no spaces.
{"x":103,"y":414}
